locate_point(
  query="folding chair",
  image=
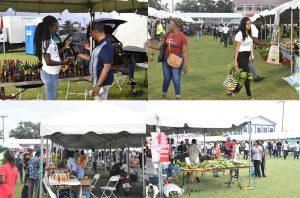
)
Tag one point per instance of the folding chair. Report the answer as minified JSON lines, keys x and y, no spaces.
{"x":93,"y":184}
{"x":111,"y":187}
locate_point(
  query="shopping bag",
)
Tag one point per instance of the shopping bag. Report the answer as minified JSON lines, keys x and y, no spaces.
{"x":230,"y":83}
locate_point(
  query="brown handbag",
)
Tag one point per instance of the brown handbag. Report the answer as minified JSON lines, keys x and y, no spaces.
{"x":174,"y":60}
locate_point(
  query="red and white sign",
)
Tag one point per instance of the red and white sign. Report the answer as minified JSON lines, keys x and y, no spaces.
{"x":160,"y":147}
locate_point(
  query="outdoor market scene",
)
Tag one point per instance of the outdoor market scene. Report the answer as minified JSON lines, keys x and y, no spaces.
{"x":49,"y":50}
{"x":73,"y":156}
{"x":211,"y":55}
{"x":224,"y":152}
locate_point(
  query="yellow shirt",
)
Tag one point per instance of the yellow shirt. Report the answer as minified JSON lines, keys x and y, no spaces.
{"x":160,"y":29}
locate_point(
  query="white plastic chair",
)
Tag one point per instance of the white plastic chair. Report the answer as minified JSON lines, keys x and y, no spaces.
{"x":93,"y":184}
{"x":111,"y":187}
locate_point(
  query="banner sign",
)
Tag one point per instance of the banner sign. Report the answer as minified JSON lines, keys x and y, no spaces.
{"x":160,"y":147}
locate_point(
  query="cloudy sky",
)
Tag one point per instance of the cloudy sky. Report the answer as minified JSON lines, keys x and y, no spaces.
{"x":44,"y":111}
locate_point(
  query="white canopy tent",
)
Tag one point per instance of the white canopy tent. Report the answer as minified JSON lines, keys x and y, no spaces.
{"x":11,"y":143}
{"x":96,"y":125}
{"x":99,"y":125}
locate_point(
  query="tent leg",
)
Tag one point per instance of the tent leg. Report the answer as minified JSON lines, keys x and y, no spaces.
{"x":51,"y":151}
{"x":110,"y":156}
{"x":204,"y":138}
{"x":127,"y":157}
{"x":292,"y":31}
{"x":105,"y":158}
{"x":41,"y":170}
{"x":143,"y":168}
{"x":250,"y":153}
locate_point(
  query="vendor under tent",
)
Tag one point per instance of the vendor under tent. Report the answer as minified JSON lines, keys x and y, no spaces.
{"x":99,"y":125}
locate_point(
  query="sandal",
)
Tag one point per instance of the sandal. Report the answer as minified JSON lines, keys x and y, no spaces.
{"x":251,"y":98}
{"x":230,"y":94}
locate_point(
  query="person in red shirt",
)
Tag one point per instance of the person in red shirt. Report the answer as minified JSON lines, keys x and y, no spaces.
{"x":176,"y":43}
{"x":8,"y":176}
{"x":229,"y":145}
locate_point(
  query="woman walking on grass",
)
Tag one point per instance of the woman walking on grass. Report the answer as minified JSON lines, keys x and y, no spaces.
{"x":176,"y":43}
{"x":242,"y":53}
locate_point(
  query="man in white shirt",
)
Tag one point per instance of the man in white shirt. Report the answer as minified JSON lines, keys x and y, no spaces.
{"x":256,"y":41}
{"x":285,"y":146}
{"x":194,"y":152}
{"x":246,"y":151}
{"x":297,"y":150}
{"x":225,"y":34}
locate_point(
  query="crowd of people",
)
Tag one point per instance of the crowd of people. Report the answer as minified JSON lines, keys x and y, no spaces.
{"x":24,"y":165}
{"x":231,"y":150}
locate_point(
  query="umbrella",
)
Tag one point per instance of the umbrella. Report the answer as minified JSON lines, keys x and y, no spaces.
{"x":80,"y":6}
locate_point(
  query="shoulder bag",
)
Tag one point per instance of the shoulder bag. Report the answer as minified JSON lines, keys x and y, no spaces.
{"x":174,"y":60}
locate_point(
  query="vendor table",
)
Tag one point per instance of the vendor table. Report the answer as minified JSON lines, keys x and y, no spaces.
{"x":234,"y":173}
{"x":33,"y":84}
{"x":70,"y":183}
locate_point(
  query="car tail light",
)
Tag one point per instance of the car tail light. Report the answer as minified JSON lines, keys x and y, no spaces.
{"x":86,"y":46}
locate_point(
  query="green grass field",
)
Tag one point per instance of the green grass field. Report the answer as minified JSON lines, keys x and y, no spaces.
{"x":282,"y":181}
{"x":208,"y":62}
{"x":78,"y":87}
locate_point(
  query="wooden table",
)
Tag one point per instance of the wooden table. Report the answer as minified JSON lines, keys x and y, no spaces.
{"x":38,"y":83}
{"x":70,"y":183}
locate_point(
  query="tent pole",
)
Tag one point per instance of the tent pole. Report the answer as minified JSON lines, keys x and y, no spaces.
{"x":105,"y":158}
{"x":160,"y":178}
{"x":41,"y":169}
{"x":265,"y":29}
{"x":110,"y":156}
{"x":271,"y":27}
{"x":292,"y":31}
{"x":143,"y":168}
{"x":51,"y":158}
{"x":127,"y":156}
{"x":250,"y":152}
{"x":204,"y":138}
{"x":47,"y":152}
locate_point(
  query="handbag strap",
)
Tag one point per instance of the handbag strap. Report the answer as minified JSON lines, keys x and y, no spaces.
{"x":169,"y":47}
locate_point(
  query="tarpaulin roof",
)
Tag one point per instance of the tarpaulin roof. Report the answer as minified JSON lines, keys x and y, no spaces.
{"x":96,"y":125}
{"x":190,"y":118}
{"x":72,"y":5}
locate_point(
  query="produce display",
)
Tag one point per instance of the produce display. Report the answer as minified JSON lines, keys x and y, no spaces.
{"x":211,"y":164}
{"x":19,"y":71}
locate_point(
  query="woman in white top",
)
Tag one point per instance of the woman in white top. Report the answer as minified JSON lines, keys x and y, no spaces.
{"x":242,"y":53}
{"x":48,"y":53}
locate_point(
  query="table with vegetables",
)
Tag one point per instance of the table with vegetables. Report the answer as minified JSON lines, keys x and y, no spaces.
{"x":213,"y":165}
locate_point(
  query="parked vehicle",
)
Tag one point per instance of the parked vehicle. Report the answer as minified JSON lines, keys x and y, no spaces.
{"x":13,"y":31}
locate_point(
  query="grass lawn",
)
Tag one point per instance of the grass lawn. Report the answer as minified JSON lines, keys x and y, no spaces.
{"x":77,"y":87}
{"x":208,"y":62}
{"x":281,"y":181}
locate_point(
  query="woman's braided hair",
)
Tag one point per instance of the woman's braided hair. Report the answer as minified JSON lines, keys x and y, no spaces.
{"x":43,"y":34}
